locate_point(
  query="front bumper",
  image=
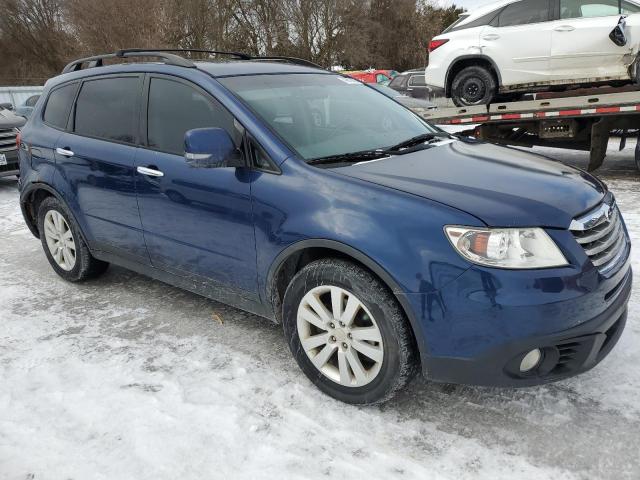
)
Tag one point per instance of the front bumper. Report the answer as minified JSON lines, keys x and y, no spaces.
{"x":477,"y":335}
{"x":12,"y":166}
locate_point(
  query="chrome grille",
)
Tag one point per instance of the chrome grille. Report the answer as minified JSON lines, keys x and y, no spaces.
{"x":8,"y":139}
{"x":601,"y":233}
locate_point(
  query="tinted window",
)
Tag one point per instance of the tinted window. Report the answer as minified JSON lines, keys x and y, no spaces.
{"x":56,"y":112}
{"x":398,"y":82}
{"x":417,"y":81}
{"x":524,"y":12}
{"x":175,"y":108}
{"x":108,"y":108}
{"x":478,"y":22}
{"x":32,"y":100}
{"x":593,"y":8}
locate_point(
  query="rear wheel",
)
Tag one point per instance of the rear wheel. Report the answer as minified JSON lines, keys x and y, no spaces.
{"x":473,"y":85}
{"x":347,"y":332}
{"x":63,"y":245}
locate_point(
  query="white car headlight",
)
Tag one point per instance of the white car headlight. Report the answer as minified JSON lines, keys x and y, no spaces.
{"x":516,"y":248}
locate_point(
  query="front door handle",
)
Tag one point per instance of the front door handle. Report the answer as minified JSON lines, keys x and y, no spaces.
{"x":565,"y":28}
{"x":149,"y":171}
{"x":65,"y":152}
{"x":491,"y":36}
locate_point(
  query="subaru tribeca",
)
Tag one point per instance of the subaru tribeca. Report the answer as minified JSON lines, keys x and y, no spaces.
{"x":382,"y":245}
{"x":527,"y":45}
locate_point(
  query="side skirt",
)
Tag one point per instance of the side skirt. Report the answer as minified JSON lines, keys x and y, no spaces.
{"x":197,"y":285}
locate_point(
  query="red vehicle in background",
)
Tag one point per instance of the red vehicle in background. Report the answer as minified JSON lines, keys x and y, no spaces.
{"x":372,"y":76}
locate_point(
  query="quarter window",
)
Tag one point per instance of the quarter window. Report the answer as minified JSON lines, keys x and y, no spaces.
{"x":56,"y":113}
{"x":107,"y":108}
{"x":524,"y":12}
{"x":417,"y":81}
{"x":399,"y":82}
{"x":175,"y":108}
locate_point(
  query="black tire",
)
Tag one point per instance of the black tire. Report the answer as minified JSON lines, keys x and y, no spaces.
{"x":86,"y":266}
{"x":473,"y":85}
{"x":400,"y":361}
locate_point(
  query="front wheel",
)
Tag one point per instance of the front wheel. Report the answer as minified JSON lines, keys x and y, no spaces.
{"x":473,"y":85}
{"x":347,"y":332}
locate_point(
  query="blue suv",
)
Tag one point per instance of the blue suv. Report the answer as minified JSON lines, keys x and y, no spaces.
{"x":382,"y":244}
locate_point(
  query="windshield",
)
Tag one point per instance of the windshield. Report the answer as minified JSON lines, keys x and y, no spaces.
{"x":321,"y":115}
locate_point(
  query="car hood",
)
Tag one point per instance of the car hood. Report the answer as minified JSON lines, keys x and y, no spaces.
{"x":9,"y":120}
{"x":501,"y":186}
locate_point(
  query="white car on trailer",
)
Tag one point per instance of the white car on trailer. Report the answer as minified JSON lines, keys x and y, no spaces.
{"x":528,"y":45}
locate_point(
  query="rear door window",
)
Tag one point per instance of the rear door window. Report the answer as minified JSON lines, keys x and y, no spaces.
{"x":524,"y":12}
{"x":56,"y":112}
{"x":107,"y":108}
{"x":174,"y":108}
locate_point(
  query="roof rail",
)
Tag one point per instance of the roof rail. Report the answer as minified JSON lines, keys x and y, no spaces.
{"x":296,"y":60}
{"x":97,"y":60}
{"x":241,"y":56}
{"x":171,"y":59}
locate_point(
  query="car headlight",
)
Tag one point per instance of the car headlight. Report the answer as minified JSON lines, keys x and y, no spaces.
{"x":516,"y":248}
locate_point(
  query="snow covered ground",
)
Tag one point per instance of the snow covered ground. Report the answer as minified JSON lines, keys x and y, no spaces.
{"x":127,"y":378}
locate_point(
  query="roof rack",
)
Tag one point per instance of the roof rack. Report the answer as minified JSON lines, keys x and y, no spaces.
{"x":239,"y":55}
{"x":295,"y":60}
{"x":169,"y":57}
{"x":97,"y":60}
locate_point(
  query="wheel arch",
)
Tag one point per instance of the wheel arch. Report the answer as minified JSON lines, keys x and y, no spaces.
{"x":30,"y":200}
{"x":296,"y":256}
{"x":467,"y":61}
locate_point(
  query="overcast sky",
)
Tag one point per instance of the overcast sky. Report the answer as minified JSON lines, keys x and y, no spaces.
{"x":468,"y":4}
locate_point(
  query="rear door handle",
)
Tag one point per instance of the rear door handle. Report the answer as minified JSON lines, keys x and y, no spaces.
{"x":491,"y":36}
{"x":151,"y":172}
{"x":565,"y":28}
{"x":65,"y":152}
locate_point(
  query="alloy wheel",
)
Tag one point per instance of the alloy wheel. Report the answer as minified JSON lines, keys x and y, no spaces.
{"x":340,"y":336}
{"x":60,"y":240}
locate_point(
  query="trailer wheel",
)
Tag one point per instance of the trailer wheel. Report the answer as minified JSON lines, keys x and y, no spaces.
{"x":473,"y":85}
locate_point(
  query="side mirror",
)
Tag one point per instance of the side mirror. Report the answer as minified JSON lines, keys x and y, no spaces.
{"x":211,"y":148}
{"x":6,"y":106}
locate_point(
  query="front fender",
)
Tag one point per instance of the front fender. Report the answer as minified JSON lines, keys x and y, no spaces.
{"x":397,"y":235}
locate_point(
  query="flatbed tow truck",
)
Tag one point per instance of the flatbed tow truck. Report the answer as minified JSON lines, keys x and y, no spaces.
{"x":578,"y":120}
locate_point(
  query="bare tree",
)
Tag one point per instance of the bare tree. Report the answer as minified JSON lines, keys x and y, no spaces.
{"x":37,"y":37}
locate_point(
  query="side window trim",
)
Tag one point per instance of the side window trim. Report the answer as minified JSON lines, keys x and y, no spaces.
{"x":72,"y":116}
{"x":72,"y":109}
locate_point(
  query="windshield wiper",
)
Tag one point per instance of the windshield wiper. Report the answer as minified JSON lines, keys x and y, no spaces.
{"x":350,"y":157}
{"x":418,"y":139}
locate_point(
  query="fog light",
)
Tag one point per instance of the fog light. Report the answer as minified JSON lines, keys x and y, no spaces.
{"x":530,"y":360}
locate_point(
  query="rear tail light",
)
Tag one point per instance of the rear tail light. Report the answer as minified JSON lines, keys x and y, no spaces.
{"x":18,"y":140}
{"x":433,"y":44}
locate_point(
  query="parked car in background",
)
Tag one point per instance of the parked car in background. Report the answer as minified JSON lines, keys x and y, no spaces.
{"x":26,"y":108}
{"x":411,"y":83}
{"x":529,"y":45}
{"x":9,"y":129}
{"x":413,"y":103}
{"x":383,"y":245}
{"x":370,"y":76}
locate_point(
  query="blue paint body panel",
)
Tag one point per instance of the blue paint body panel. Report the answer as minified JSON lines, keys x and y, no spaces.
{"x":229,"y":229}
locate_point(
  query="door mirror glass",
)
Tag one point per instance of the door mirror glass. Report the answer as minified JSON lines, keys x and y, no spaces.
{"x":211,"y":148}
